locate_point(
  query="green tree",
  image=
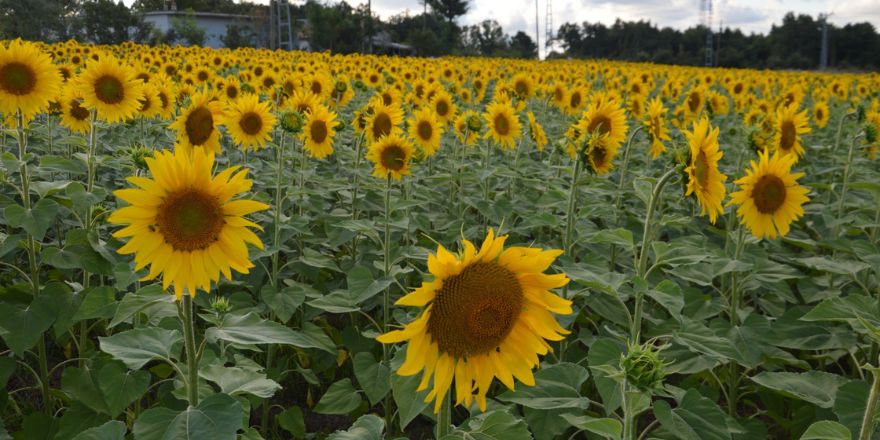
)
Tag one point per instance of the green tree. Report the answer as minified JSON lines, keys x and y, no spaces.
{"x":522,"y":46}
{"x":186,"y":30}
{"x":108,"y":22}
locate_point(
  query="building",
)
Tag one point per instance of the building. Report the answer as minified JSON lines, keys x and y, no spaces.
{"x":213,"y":23}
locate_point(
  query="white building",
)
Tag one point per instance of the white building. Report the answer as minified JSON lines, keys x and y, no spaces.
{"x":212,"y":23}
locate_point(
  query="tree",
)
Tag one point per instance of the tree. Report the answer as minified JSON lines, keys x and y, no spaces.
{"x":486,"y":38}
{"x":46,"y":20}
{"x":449,"y":9}
{"x":106,"y":22}
{"x":239,"y":36}
{"x":186,"y":30}
{"x":522,"y":46}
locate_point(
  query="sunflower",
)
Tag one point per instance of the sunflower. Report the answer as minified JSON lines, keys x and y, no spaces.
{"x":112,"y":88}
{"x":444,"y":107}
{"x":425,"y":130}
{"x":605,"y":119}
{"x":789,"y":126}
{"x":820,"y":114}
{"x":485,"y":314}
{"x":536,"y":132}
{"x":504,"y":126}
{"x":150,"y":106}
{"x":522,"y":86}
{"x":74,"y":116}
{"x":249,"y":122}
{"x":704,"y":179}
{"x":383,"y":121}
{"x":183,"y":223}
{"x":318,"y":132}
{"x":770,"y":197}
{"x":693,"y":104}
{"x":303,"y":101}
{"x":28,"y":80}
{"x":655,"y":123}
{"x":197,"y":125}
{"x":466,"y":135}
{"x":390,"y":156}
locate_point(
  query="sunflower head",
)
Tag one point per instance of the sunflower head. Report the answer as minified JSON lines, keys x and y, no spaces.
{"x":503,"y":124}
{"x":28,"y":79}
{"x":705,"y":181}
{"x":319,"y":131}
{"x":391,"y":156}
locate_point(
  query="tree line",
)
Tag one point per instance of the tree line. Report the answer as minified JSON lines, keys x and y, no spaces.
{"x":795,"y":43}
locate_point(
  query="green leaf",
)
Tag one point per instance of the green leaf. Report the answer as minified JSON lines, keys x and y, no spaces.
{"x":827,"y":430}
{"x":218,"y":417}
{"x":292,"y":421}
{"x":36,"y":220}
{"x":850,"y":402}
{"x":81,"y":385}
{"x":77,"y":418}
{"x":236,"y":380}
{"x":149,"y":299}
{"x":846,"y":308}
{"x":605,"y":352}
{"x":121,"y":387}
{"x":251,"y":329}
{"x":340,"y":398}
{"x":620,"y":237}
{"x":695,"y":418}
{"x":98,"y":303}
{"x":410,"y":403}
{"x":25,"y":324}
{"x":494,"y":425}
{"x":284,"y":302}
{"x":112,"y":430}
{"x":816,"y":387}
{"x":313,"y":258}
{"x":556,"y":387}
{"x":374,"y":377}
{"x":668,"y":295}
{"x":137,"y":347}
{"x":840,"y":267}
{"x":61,"y":164}
{"x":367,"y":427}
{"x":607,"y":428}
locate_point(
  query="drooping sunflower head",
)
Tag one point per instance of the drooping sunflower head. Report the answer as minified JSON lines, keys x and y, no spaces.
{"x":111,"y":87}
{"x":464,"y":129}
{"x":391,"y":156}
{"x":184,"y":223}
{"x":198,"y":124}
{"x":318,"y":132}
{"x":486,"y":314}
{"x":536,"y":132}
{"x":655,"y":122}
{"x":790,"y":125}
{"x":503,"y":124}
{"x":28,"y":79}
{"x":385,"y":120}
{"x":249,"y":122}
{"x":705,"y":181}
{"x":425,"y":130}
{"x":769,"y":197}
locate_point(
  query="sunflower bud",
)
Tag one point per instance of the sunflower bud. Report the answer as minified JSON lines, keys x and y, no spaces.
{"x":341,"y":86}
{"x":475,"y":124}
{"x":860,"y":113}
{"x":221,"y":305}
{"x":247,"y":88}
{"x":643,"y":367}
{"x":138,"y":155}
{"x":360,"y":85}
{"x":292,"y":121}
{"x":870,"y":133}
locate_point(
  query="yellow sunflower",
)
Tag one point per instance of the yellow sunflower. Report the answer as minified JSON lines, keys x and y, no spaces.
{"x":111,"y":87}
{"x":503,"y":124}
{"x":425,"y":130}
{"x":790,"y":125}
{"x":604,"y":118}
{"x":770,"y":197}
{"x":463,"y":122}
{"x":444,"y":107}
{"x":704,"y":179}
{"x":655,"y":123}
{"x":198,"y":124}
{"x":384,"y":120}
{"x":28,"y":80}
{"x":74,"y":116}
{"x":536,"y":132}
{"x":486,"y":314}
{"x":249,"y":122}
{"x":318,"y":132}
{"x":391,"y":155}
{"x":183,"y":223}
{"x":821,"y":114}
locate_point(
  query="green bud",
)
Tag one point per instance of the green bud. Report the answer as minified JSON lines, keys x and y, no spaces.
{"x":138,"y":155}
{"x":643,"y":367}
{"x":221,"y":305}
{"x":341,"y":86}
{"x":475,"y":124}
{"x":870,"y":133}
{"x":292,"y":121}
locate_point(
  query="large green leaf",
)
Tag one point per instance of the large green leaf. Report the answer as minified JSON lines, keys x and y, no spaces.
{"x":410,"y":402}
{"x":556,"y":387}
{"x":494,"y":425}
{"x":340,"y":398}
{"x":251,"y":329}
{"x":695,"y":418}
{"x":606,"y":352}
{"x":36,"y":220}
{"x":368,"y":427}
{"x":25,"y":324}
{"x":237,"y":380}
{"x":139,"y":346}
{"x":284,"y":302}
{"x":149,"y":299}
{"x":121,"y":387}
{"x":218,"y":417}
{"x":112,"y":430}
{"x":373,"y":377}
{"x":850,"y":402}
{"x":827,"y":430}
{"x":605,"y":427}
{"x":816,"y":387}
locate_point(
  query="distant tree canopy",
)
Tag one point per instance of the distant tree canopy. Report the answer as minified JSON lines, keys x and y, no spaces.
{"x":795,"y":43}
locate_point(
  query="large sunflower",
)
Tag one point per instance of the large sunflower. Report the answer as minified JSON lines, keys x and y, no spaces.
{"x":74,"y":116}
{"x":111,"y":87}
{"x":249,"y":121}
{"x":605,"y":119}
{"x":197,"y":125}
{"x":790,"y":125}
{"x":426,"y":130}
{"x":486,"y":314}
{"x":319,"y":131}
{"x":704,"y":179}
{"x":770,"y":197}
{"x":655,"y":123}
{"x":183,"y":223}
{"x":384,"y":120}
{"x":444,"y":107}
{"x":391,"y":156}
{"x":28,"y":80}
{"x":503,"y":124}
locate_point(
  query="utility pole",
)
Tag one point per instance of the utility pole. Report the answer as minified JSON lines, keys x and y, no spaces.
{"x":706,"y":18}
{"x":823,"y":55}
{"x":537,"y":33}
{"x":369,"y":26}
{"x":548,"y":28}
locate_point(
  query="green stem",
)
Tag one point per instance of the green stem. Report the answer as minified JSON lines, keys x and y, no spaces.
{"x":620,"y":184}
{"x":629,"y":419}
{"x":302,"y":172}
{"x":192,"y":383}
{"x":572,"y":202}
{"x":354,"y":194}
{"x":870,"y":409}
{"x":279,"y":202}
{"x":386,"y":297}
{"x":846,"y":174}
{"x":90,"y":186}
{"x":643,"y":252}
{"x":444,"y":417}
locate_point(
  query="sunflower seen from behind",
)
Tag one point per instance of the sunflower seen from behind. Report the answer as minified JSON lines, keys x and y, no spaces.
{"x":318,"y":132}
{"x":655,"y":123}
{"x":769,"y":197}
{"x":185,"y":223}
{"x":425,"y":130}
{"x":705,"y":181}
{"x":536,"y":132}
{"x":391,"y":156}
{"x":28,"y":79}
{"x":249,"y":122}
{"x":111,"y":88}
{"x":790,"y":125}
{"x":486,"y":314}
{"x":198,"y":124}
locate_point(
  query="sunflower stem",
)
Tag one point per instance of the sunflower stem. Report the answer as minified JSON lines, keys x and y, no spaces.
{"x":868,"y":419}
{"x":444,"y":417}
{"x":642,"y":268}
{"x":733,"y":379}
{"x":90,"y":185}
{"x":572,"y":202}
{"x":31,"y":245}
{"x":620,"y":184}
{"x":192,"y":382}
{"x":846,"y":175}
{"x":354,"y":194}
{"x":386,"y":297}
{"x":279,"y":201}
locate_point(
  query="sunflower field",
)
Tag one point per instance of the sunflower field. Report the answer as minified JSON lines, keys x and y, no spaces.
{"x":248,"y":244}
